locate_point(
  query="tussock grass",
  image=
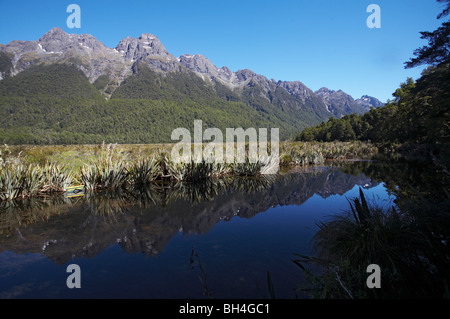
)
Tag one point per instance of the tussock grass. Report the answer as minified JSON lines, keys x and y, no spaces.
{"x":55,"y":178}
{"x":143,"y":172}
{"x":18,"y":180}
{"x":107,"y":170}
{"x":32,"y":170}
{"x":366,"y":235}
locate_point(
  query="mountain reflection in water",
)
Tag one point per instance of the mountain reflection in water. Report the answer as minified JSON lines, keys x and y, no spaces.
{"x":66,"y":230}
{"x":145,"y":220}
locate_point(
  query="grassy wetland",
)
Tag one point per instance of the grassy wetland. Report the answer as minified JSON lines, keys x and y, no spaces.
{"x":38,"y":170}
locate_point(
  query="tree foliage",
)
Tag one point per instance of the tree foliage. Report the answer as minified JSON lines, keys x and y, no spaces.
{"x":56,"y":104}
{"x":419,"y":114}
{"x":438,"y":49}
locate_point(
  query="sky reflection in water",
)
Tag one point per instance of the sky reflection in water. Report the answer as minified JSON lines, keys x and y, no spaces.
{"x":144,"y":251}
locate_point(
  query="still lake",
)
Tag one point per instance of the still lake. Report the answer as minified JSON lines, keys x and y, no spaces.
{"x":218,"y":240}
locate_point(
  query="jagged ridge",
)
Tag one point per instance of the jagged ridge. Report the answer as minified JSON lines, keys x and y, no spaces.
{"x":111,"y":70}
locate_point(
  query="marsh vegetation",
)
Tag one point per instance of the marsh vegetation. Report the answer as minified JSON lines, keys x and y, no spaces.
{"x":30,"y":170}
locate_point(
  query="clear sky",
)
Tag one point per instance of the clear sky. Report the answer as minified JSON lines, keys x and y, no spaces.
{"x":322,"y":43}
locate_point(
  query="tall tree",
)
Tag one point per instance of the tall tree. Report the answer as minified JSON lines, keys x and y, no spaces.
{"x":438,"y":49}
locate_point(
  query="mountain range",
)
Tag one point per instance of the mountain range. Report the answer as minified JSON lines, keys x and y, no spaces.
{"x":69,"y":88}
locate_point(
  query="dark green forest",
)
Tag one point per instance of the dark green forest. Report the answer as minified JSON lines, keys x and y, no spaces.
{"x":56,"y":104}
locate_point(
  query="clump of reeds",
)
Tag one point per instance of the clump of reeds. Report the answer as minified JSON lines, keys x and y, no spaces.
{"x":247,"y":168}
{"x":106,"y":171}
{"x":270,"y":165}
{"x":18,"y":180}
{"x":143,"y":172}
{"x":367,"y":235}
{"x":55,"y":178}
{"x":195,"y":172}
{"x":166,"y":168}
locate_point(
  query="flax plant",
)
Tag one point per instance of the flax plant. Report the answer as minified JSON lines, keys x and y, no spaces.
{"x":106,"y":171}
{"x":55,"y":178}
{"x":19,"y":180}
{"x":143,"y":172}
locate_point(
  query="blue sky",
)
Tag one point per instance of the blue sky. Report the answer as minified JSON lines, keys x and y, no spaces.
{"x":322,"y":43}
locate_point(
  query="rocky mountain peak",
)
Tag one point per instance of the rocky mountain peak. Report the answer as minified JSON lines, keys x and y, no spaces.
{"x":58,"y":41}
{"x":338,"y":102}
{"x":148,"y":37}
{"x":91,"y":42}
{"x":54,"y":33}
{"x":225,"y":69}
{"x":198,"y":63}
{"x":296,"y":88}
{"x":293,"y":86}
{"x":244,"y":75}
{"x":369,"y":101}
{"x":55,"y":40}
{"x":324,"y":90}
{"x":203,"y":66}
{"x":147,"y":45}
{"x":332,"y":94}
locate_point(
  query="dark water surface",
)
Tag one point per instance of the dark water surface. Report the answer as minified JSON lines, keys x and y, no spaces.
{"x":216,"y":240}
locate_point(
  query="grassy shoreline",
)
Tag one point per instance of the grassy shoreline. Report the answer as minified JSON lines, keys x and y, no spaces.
{"x":33,"y":170}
